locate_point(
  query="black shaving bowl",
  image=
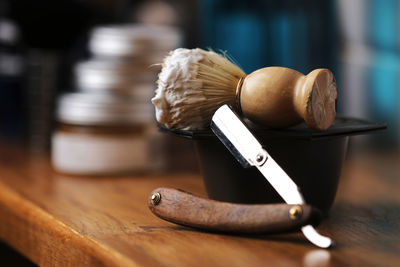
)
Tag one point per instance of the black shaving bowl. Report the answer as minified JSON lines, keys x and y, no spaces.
{"x":313,"y":159}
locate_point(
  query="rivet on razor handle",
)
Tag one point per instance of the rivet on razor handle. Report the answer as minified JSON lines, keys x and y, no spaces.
{"x":233,"y":133}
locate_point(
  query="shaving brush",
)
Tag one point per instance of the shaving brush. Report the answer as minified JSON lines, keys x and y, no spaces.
{"x":194,"y":83}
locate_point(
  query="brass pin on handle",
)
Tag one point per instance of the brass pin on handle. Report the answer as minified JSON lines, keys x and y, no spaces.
{"x":155,"y":198}
{"x":295,"y":212}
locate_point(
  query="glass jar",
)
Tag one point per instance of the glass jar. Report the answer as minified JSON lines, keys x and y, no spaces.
{"x":145,"y":43}
{"x":101,"y":134}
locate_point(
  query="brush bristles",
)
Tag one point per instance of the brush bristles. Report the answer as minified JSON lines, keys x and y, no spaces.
{"x":192,"y":85}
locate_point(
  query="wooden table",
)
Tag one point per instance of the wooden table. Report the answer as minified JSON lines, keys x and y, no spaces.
{"x":55,"y":219}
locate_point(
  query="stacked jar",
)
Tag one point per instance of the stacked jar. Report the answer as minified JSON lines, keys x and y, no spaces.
{"x":106,"y":126}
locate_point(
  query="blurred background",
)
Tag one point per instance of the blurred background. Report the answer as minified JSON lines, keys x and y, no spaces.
{"x":68,"y":57}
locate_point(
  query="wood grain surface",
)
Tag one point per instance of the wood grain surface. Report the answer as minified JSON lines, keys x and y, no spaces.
{"x":59,"y":220}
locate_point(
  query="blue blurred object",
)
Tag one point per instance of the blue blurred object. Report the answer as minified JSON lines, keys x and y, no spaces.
{"x":303,"y":35}
{"x":289,"y":33}
{"x":294,"y":34}
{"x":384,"y":81}
{"x":384,"y":84}
{"x":242,"y":34}
{"x":385,"y":64}
{"x":370,"y":48}
{"x":237,"y":28}
{"x":383,"y":23}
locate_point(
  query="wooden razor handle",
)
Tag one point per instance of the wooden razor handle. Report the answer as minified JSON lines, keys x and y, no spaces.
{"x":186,"y":209}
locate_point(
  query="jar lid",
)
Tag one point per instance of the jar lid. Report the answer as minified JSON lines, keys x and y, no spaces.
{"x":102,"y":110}
{"x":133,"y":40}
{"x":106,"y":75}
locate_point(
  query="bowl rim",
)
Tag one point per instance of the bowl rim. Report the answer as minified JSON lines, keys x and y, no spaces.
{"x":341,"y":127}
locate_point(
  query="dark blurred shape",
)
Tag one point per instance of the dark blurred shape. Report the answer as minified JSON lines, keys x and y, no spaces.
{"x":11,"y":67}
{"x":40,"y":87}
{"x":53,"y":36}
{"x":56,"y":25}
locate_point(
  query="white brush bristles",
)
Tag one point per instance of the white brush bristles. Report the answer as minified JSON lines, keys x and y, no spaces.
{"x":192,"y":85}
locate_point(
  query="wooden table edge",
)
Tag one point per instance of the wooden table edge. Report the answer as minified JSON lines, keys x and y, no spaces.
{"x":65,"y":246}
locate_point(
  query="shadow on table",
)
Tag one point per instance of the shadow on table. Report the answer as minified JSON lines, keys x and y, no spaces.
{"x":10,"y":257}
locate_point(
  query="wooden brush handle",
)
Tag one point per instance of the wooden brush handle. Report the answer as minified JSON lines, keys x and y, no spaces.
{"x":280,"y":97}
{"x":186,"y":209}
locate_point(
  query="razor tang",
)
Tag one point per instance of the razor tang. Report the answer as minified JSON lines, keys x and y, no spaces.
{"x":249,"y":152}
